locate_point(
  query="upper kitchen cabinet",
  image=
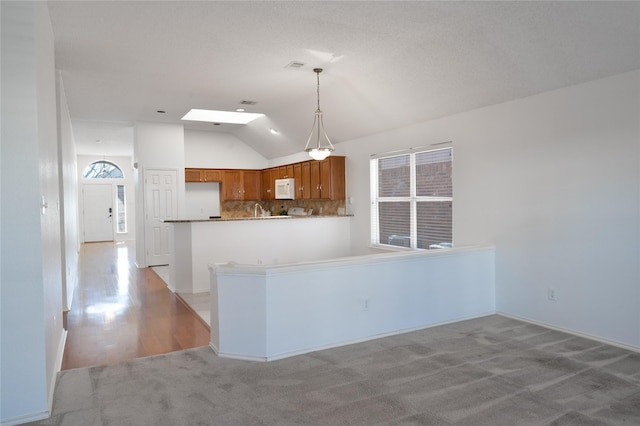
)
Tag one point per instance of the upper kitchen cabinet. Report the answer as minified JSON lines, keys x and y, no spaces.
{"x":285,"y":172}
{"x":328,"y":179}
{"x":268,"y":178}
{"x":314,"y":180}
{"x":251,"y":184}
{"x":302,"y":176}
{"x":241,"y":185}
{"x":232,"y":188}
{"x":202,"y":175}
{"x":193,"y":175}
{"x":211,"y":175}
{"x":266,"y":187}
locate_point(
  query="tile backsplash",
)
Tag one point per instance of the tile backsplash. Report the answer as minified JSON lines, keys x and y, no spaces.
{"x":229,"y":209}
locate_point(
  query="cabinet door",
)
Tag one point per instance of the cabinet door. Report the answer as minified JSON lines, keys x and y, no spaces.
{"x":266,"y":186}
{"x":192,"y":175}
{"x":325,"y":179}
{"x":332,"y":178}
{"x":305,"y":170}
{"x":211,"y":175}
{"x":251,"y":185}
{"x":297,"y":176}
{"x":232,"y":185}
{"x":314,"y":187}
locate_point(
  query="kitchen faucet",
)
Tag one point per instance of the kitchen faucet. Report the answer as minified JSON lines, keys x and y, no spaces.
{"x":255,"y":210}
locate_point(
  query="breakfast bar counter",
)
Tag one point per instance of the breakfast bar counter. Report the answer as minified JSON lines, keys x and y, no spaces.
{"x":270,"y":240}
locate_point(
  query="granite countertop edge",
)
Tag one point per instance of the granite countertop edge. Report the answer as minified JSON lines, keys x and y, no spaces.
{"x":267,"y":218}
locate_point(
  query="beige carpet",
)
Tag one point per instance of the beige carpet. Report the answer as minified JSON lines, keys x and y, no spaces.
{"x":487,"y":371}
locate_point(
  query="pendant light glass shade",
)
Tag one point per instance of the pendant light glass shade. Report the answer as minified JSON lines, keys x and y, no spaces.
{"x":321,"y":147}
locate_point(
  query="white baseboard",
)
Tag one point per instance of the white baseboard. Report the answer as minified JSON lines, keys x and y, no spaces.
{"x":56,"y":370}
{"x":25,"y":419}
{"x":574,"y":332}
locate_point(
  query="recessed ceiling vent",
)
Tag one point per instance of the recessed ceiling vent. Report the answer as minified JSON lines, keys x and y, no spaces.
{"x":247,"y":102}
{"x":295,"y":65}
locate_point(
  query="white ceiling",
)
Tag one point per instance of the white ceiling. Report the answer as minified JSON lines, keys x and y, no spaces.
{"x":387,"y":64}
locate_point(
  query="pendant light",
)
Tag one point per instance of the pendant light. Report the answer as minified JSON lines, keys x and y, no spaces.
{"x":323,"y":146}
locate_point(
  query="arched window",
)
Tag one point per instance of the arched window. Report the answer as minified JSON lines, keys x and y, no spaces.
{"x":102,"y":170}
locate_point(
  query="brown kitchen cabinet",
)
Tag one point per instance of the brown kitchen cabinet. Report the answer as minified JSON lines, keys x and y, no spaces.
{"x":251,"y":185}
{"x":314,"y":183}
{"x":212,"y":175}
{"x":266,"y":186}
{"x":328,"y":179}
{"x":232,"y":188}
{"x":302,"y":176}
{"x":314,"y":180}
{"x":202,"y":175}
{"x":268,"y":178}
{"x":285,"y":172}
{"x":241,"y":185}
{"x":193,"y":175}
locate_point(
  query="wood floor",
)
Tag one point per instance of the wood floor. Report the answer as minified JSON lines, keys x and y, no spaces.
{"x":121,"y":312}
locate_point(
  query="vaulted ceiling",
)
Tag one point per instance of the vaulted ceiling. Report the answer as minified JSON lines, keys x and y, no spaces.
{"x":386,"y":64}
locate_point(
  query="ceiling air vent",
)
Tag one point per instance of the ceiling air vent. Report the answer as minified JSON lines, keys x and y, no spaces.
{"x":294,"y":65}
{"x":247,"y":102}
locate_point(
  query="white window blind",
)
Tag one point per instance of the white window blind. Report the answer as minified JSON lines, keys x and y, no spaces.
{"x":412,"y":199}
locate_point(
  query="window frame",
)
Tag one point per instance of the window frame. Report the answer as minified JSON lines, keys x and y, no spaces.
{"x":90,"y":169}
{"x":121,"y":209}
{"x":413,"y":199}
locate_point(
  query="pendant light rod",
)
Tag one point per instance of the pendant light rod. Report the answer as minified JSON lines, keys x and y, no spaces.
{"x":320,"y":151}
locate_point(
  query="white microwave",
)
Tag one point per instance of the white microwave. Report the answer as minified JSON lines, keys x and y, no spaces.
{"x":285,"y":189}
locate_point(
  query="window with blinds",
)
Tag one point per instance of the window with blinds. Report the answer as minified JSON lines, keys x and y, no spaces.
{"x":412,"y":198}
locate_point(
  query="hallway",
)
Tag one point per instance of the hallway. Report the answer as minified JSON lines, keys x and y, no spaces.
{"x":120,"y":312}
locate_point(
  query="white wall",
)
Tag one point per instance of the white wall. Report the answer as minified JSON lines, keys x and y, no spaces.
{"x":265,"y":313}
{"x":126,"y":165}
{"x":553,"y":182}
{"x":31,"y":302}
{"x":67,"y":175}
{"x":219,"y":150}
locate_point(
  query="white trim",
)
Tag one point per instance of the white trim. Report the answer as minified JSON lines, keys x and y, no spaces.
{"x":573,"y":332}
{"x":237,"y":269}
{"x":57,"y":369}
{"x":394,"y":333}
{"x":430,"y":147}
{"x":27,"y":418}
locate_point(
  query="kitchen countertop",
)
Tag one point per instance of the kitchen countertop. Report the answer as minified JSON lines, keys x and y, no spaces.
{"x":277,"y":217}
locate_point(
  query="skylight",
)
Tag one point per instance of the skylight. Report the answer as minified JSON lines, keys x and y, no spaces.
{"x":229,"y":117}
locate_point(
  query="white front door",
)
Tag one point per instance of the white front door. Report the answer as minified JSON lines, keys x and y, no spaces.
{"x":97,"y":212}
{"x":161,"y":203}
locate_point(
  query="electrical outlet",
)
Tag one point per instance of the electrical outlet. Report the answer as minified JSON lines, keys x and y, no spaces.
{"x":365,"y":305}
{"x":551,"y":294}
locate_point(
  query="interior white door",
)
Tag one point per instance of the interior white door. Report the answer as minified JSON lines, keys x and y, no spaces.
{"x":161,"y":203}
{"x":97,"y":212}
